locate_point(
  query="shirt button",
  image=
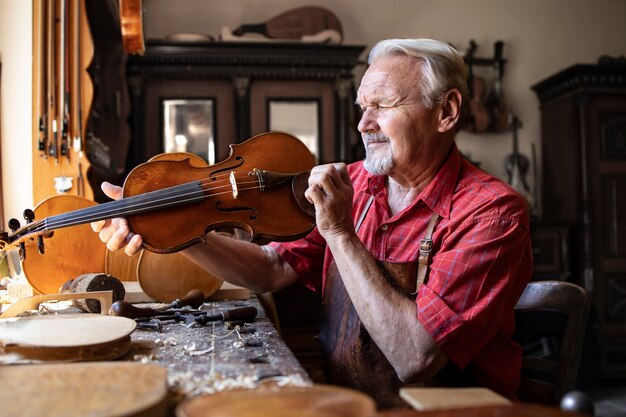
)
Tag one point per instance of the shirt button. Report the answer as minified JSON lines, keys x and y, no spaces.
{"x":384,"y":227}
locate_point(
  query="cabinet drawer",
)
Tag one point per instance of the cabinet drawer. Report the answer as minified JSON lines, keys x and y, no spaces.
{"x":550,"y":251}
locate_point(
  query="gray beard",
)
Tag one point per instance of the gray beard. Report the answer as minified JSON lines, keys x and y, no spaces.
{"x":378,"y":165}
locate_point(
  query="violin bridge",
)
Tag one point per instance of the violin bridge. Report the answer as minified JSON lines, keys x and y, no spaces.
{"x":233,"y":184}
{"x":260,"y":178}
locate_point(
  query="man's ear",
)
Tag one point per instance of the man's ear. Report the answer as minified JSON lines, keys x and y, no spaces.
{"x":450,"y":110}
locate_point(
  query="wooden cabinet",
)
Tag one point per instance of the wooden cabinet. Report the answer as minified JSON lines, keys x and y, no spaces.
{"x":244,"y":86}
{"x":583,"y":128}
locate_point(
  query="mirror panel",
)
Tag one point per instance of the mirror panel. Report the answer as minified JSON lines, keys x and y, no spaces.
{"x":297,"y":117}
{"x":189,"y":126}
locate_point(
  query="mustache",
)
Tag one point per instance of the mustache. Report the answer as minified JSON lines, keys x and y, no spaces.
{"x":374,"y":137}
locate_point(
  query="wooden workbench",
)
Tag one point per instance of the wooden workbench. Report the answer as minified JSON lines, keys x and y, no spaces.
{"x":216,"y":357}
{"x":192,"y":360}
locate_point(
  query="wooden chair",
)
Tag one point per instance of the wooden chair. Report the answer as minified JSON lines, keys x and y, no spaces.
{"x":545,"y":381}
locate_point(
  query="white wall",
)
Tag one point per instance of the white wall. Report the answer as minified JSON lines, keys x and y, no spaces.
{"x":15,"y":106}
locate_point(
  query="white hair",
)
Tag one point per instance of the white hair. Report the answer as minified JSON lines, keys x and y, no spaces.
{"x":443,"y":66}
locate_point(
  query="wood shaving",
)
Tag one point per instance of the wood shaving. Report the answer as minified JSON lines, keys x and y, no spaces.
{"x":188,"y":385}
{"x":190,"y":348}
{"x":201,"y":352}
{"x":144,"y":358}
{"x":5,"y":298}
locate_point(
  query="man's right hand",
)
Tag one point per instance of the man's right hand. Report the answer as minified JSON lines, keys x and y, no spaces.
{"x":115,"y":232}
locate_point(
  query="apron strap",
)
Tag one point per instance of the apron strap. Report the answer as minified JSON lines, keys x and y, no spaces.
{"x":368,"y":203}
{"x":425,"y":253}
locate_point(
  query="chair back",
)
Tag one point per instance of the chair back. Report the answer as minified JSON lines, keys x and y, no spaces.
{"x":544,"y":380}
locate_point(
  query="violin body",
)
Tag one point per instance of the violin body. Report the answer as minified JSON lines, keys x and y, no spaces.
{"x":480,"y":117}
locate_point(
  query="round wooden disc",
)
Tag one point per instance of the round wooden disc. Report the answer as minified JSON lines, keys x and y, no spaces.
{"x":86,"y":389}
{"x":167,"y":277}
{"x":318,"y":400}
{"x":69,"y":253}
{"x":64,"y":330}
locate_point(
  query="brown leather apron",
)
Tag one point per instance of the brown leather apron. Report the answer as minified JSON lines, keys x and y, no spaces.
{"x":352,"y":357}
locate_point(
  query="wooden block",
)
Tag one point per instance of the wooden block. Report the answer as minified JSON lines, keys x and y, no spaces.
{"x":95,"y":282}
{"x":134,"y":293}
{"x":423,"y":399}
{"x":19,"y":289}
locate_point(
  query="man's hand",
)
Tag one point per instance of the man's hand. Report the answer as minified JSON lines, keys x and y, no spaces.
{"x":330,"y":190}
{"x":115,"y":232}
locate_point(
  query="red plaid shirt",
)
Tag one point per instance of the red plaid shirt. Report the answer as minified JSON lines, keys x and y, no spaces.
{"x":481,"y":262}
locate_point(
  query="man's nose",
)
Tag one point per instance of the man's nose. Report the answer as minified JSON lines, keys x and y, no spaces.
{"x":367,"y":122}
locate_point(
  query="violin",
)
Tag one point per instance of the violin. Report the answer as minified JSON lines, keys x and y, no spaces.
{"x":517,"y":165}
{"x":259,"y":188}
{"x":479,"y":117}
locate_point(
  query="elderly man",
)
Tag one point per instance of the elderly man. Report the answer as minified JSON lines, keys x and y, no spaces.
{"x":420,"y":255}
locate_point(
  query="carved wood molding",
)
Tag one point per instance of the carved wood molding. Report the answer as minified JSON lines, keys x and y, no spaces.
{"x":582,"y":77}
{"x":229,"y":60}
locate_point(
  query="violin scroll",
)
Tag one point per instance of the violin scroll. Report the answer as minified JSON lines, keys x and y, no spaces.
{"x":20,"y":235}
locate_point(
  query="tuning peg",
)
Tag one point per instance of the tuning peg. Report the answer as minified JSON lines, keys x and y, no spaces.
{"x":14,"y":224}
{"x":40,"y":246}
{"x":29,"y":215}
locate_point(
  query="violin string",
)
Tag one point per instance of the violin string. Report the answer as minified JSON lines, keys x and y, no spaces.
{"x":172,"y":200}
{"x":138,"y":208}
{"x":171,"y":197}
{"x":165,"y":194}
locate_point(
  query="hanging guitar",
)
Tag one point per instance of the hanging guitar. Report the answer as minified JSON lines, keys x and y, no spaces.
{"x":518,"y":164}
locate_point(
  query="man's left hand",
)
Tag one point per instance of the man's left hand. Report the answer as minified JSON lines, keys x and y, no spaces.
{"x":330,"y":190}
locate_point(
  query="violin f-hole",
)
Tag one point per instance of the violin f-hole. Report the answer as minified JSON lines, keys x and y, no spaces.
{"x":218,"y":205}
